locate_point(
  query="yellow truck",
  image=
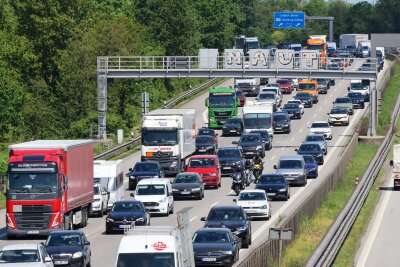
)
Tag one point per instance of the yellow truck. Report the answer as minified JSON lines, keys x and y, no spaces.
{"x":311,"y":87}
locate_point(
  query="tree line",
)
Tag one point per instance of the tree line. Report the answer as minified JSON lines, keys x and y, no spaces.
{"x":49,"y":48}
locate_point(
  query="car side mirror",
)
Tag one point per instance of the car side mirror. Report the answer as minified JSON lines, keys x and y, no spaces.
{"x":234,"y":200}
{"x":203,"y":219}
{"x":348,"y":88}
{"x":48,"y":259}
{"x":132,"y":194}
{"x":87,"y":243}
{"x":235,"y":142}
{"x":130,"y":169}
{"x":327,"y":113}
{"x":275,"y":167}
{"x":296,"y":149}
{"x":391,"y":163}
{"x":104,"y":193}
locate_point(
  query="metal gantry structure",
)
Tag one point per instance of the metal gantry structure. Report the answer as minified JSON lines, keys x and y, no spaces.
{"x":259,"y":63}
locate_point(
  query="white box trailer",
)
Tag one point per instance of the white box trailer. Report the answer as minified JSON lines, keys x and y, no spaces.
{"x":351,"y":40}
{"x":110,"y":174}
{"x":168,"y":137}
{"x":257,"y":116}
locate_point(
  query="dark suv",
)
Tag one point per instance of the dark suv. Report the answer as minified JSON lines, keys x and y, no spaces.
{"x":229,"y":158}
{"x":231,"y":217}
{"x":251,"y":144}
{"x":281,"y":122}
{"x":142,"y":170}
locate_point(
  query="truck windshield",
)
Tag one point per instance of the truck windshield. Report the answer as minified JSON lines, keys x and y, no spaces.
{"x":146,"y":259}
{"x":159,"y":138}
{"x":315,"y":47}
{"x":257,"y":121}
{"x":222,"y":101}
{"x":32,"y":182}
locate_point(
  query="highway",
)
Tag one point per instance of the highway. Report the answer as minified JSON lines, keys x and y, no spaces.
{"x":104,"y":247}
{"x":381,"y":241}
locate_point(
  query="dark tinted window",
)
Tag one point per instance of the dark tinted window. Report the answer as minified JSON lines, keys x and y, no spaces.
{"x":225,"y":214}
{"x":309,"y":159}
{"x":310,"y":147}
{"x":211,"y":237}
{"x":272,"y":179}
{"x":184,"y":178}
{"x":250,"y":138}
{"x":143,"y":166}
{"x":234,"y":121}
{"x":204,"y":140}
{"x":228,"y":153}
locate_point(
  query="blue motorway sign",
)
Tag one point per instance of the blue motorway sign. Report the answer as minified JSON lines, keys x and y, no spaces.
{"x":285,"y":20}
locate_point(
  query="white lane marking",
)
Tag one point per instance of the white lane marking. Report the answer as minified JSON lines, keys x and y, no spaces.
{"x":215,"y":203}
{"x":291,"y":140}
{"x":325,"y":102}
{"x":283,"y":148}
{"x":315,"y":115}
{"x":320,"y":108}
{"x":273,"y":157}
{"x":205,"y":116}
{"x":194,"y":218}
{"x":300,"y":130}
{"x":376,"y":223}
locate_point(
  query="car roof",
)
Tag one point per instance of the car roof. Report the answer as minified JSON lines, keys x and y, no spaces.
{"x":66,"y":232}
{"x":203,"y":157}
{"x":291,"y":157}
{"x":205,"y":137}
{"x":128,"y":201}
{"x":228,"y":148}
{"x":314,"y":134}
{"x":213,"y":229}
{"x":255,"y":134}
{"x":154,"y":181}
{"x":20,"y":246}
{"x":188,"y":173}
{"x":252,"y":191}
{"x":311,"y":143}
{"x":319,"y":122}
{"x":273,"y":174}
{"x":146,"y":162}
{"x":225,"y":207}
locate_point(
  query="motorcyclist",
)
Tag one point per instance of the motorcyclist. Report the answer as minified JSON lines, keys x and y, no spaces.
{"x":238,"y":175}
{"x":248,"y":164}
{"x":258,"y":160}
{"x":257,"y":171}
{"x":248,"y":169}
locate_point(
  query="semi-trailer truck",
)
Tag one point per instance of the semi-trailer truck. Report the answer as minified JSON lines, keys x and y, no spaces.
{"x":168,"y":138}
{"x":49,"y":186}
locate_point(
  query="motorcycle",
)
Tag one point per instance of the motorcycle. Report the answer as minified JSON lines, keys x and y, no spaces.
{"x":237,"y":182}
{"x":257,"y":170}
{"x":249,"y":177}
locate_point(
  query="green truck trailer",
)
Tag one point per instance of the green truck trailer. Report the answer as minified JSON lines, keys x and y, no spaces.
{"x":222,"y":104}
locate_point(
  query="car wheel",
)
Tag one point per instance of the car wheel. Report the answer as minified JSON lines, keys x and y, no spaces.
{"x":202,"y":194}
{"x":219,"y":184}
{"x":101,"y":212}
{"x":305,"y":181}
{"x":172,"y":210}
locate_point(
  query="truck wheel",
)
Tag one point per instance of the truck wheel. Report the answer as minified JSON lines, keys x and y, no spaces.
{"x":70,"y":221}
{"x":84,"y":217}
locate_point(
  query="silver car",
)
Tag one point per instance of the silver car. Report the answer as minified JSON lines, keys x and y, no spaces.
{"x":294,"y":169}
{"x":320,"y":139}
{"x":268,"y":97}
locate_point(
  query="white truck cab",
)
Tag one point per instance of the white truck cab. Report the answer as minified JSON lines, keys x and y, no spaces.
{"x":156,"y":195}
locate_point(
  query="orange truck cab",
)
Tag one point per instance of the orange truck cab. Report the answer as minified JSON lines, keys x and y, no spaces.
{"x":320,"y":45}
{"x":311,"y":87}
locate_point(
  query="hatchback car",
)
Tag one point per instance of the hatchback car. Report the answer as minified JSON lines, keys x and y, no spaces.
{"x":255,"y":203}
{"x":285,"y":86}
{"x":293,"y":110}
{"x":313,"y":149}
{"x":323,"y":86}
{"x":305,"y":98}
{"x":229,"y":159}
{"x":312,"y":166}
{"x":318,"y":138}
{"x":233,"y":126}
{"x":241,"y":97}
{"x":144,"y":170}
{"x":293,"y":168}
{"x":251,"y":144}
{"x":231,"y":217}
{"x":281,"y":122}
{"x":265,"y":137}
{"x":298,"y":102}
{"x":209,"y":132}
{"x":205,"y":145}
{"x":321,"y":127}
{"x":268,"y":98}
{"x":344,"y":102}
{"x":215,"y":246}
{"x":100,"y":200}
{"x":69,"y":248}
{"x":208,"y":167}
{"x":275,"y":186}
{"x":33,"y":255}
{"x":338,"y":116}
{"x":124,"y":213}
{"x":188,"y":184}
{"x":357,"y":99}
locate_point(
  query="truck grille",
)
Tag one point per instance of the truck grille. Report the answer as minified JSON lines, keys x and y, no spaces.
{"x":36,"y":208}
{"x":32,"y":221}
{"x":222,"y":113}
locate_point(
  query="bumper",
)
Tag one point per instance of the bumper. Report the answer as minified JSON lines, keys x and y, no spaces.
{"x":17,"y":232}
{"x":299,"y":180}
{"x":257,"y":213}
{"x":186,"y":194}
{"x":210,"y":180}
{"x":229,"y":131}
{"x":119,"y":226}
{"x":227,"y":169}
{"x":295,"y":114}
{"x":312,"y":173}
{"x":281,"y":129}
{"x":222,"y":260}
{"x":338,"y":122}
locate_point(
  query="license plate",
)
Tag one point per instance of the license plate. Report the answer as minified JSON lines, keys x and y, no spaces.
{"x":222,"y":122}
{"x":124,"y":226}
{"x":33,"y":232}
{"x":226,"y":168}
{"x":60,"y":262}
{"x":185,"y":193}
{"x":289,"y":178}
{"x":278,"y":128}
{"x":209,"y":259}
{"x":250,"y":153}
{"x":202,"y":150}
{"x":270,"y":194}
{"x":232,"y":131}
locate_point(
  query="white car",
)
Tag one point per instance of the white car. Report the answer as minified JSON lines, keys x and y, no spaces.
{"x":32,"y":255}
{"x":298,"y":101}
{"x":275,"y":89}
{"x":338,"y":116}
{"x":100,"y":200}
{"x":321,"y":127}
{"x":255,"y":203}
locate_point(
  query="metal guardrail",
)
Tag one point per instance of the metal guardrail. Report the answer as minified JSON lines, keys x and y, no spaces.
{"x":326,"y":252}
{"x":168,"y":105}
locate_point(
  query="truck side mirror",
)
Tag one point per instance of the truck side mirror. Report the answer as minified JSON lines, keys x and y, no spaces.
{"x":206,"y":102}
{"x":65,"y":179}
{"x":132,"y":194}
{"x":237,"y":102}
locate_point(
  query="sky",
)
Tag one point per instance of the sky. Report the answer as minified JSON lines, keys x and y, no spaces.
{"x":357,"y":1}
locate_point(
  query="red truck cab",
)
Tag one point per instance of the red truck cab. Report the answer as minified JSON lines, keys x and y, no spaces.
{"x":208,"y":168}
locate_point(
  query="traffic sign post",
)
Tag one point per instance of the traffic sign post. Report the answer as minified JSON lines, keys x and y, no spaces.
{"x":280,"y":234}
{"x":287,"y":20}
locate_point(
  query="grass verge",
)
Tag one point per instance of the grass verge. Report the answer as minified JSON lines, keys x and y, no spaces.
{"x":313,"y":229}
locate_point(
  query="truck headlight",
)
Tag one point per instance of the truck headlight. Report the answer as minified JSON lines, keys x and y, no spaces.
{"x":174,"y":164}
{"x":77,"y":255}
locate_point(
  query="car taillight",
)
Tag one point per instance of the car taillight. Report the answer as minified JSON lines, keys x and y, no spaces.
{"x":9,"y":222}
{"x":57,"y":221}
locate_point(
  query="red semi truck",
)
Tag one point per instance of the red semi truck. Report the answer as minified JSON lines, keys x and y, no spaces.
{"x":49,"y":186}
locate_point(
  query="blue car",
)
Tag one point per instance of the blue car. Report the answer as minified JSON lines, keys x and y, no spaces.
{"x":311,"y":165}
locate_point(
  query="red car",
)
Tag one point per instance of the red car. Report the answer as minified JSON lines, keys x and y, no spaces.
{"x":208,"y":168}
{"x":285,"y":85}
{"x":241,"y":96}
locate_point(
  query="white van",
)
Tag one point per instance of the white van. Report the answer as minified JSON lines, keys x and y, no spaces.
{"x":110,"y":175}
{"x":156,"y":195}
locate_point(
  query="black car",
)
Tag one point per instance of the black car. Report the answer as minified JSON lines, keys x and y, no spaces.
{"x":69,"y":248}
{"x":233,"y":126}
{"x":188,"y":184}
{"x":124,"y":213}
{"x":229,"y":158}
{"x":205,"y":145}
{"x":215,"y":246}
{"x":208,"y":132}
{"x":313,"y":149}
{"x":357,"y":99}
{"x":251,"y":144}
{"x":293,"y":110}
{"x":143,"y":170}
{"x":274,"y":185}
{"x":231,"y":217}
{"x":266,"y":138}
{"x":281,"y":122}
{"x":305,"y":98}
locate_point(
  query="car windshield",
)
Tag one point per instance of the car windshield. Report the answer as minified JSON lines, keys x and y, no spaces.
{"x":272,"y":179}
{"x":222,"y":100}
{"x":322,"y":81}
{"x":267,"y":96}
{"x":306,"y":86}
{"x":273,"y":90}
{"x":338,"y":111}
{"x":298,"y":102}
{"x":303,"y":95}
{"x":264,"y":134}
{"x":206,"y":132}
{"x":204,"y":140}
{"x":291,"y":106}
{"x":228,"y":153}
{"x":315,"y":138}
{"x":355,"y":95}
{"x":147,"y":259}
{"x":202,"y":163}
{"x":19,"y":256}
{"x":145,"y":167}
{"x":309,"y":147}
{"x":280,"y":118}
{"x":225,"y":214}
{"x":211,"y":237}
{"x":64,"y":239}
{"x":150,"y":189}
{"x":249,"y":138}
{"x":252,"y":196}
{"x":282,"y":82}
{"x":126,"y":207}
{"x":343,"y":100}
{"x":290,"y":164}
{"x":160,"y":138}
{"x":184,"y":179}
{"x":233,"y":121}
{"x":309,"y":159}
{"x":320,"y":125}
{"x":357,"y":86}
